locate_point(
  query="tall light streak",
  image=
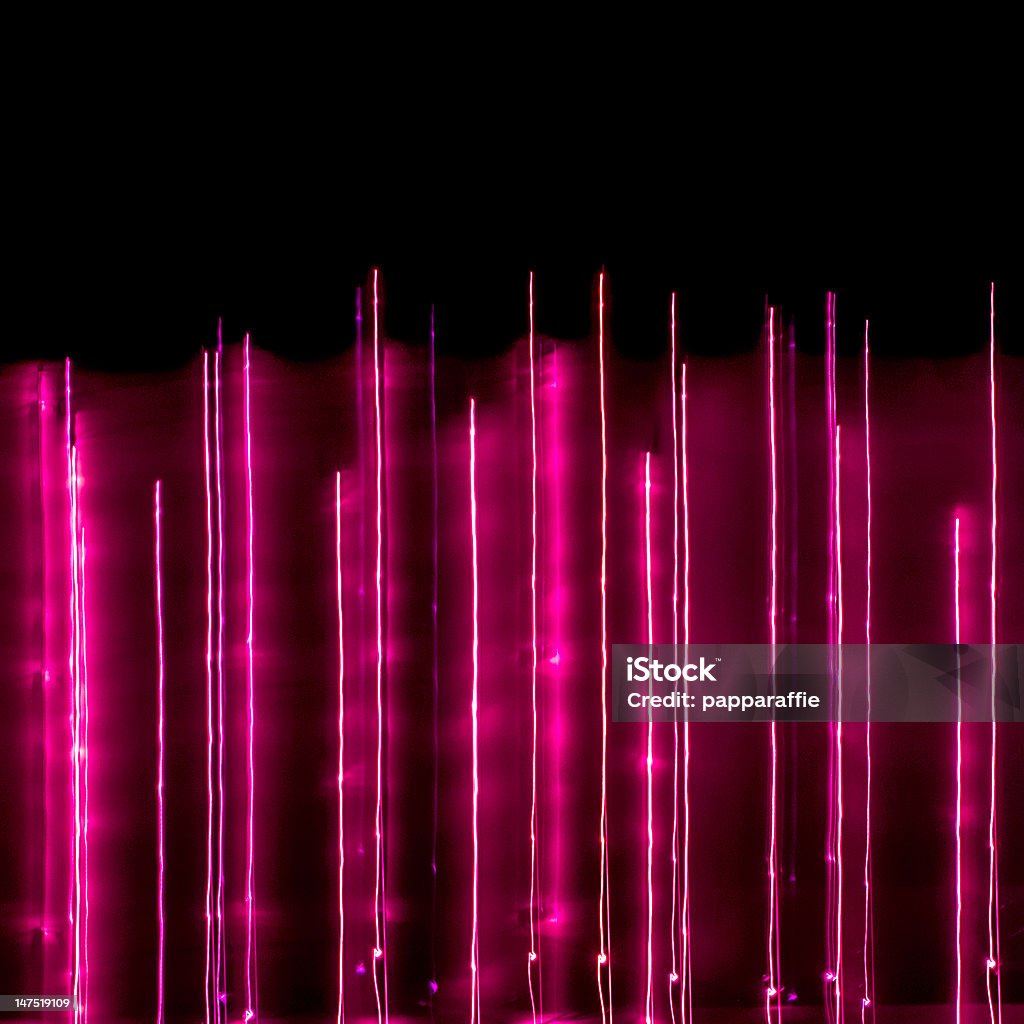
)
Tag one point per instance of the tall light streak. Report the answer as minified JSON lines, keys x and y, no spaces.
{"x":995,"y":1001}
{"x":83,"y":753}
{"x":532,"y":959}
{"x":474,"y":953}
{"x":341,"y":752}
{"x":867,"y":1000}
{"x":686,"y":984}
{"x":221,"y":943}
{"x":380,"y":986}
{"x":209,"y":690}
{"x":773,"y":991}
{"x":838,"y":979}
{"x":250,"y":898}
{"x":959,"y":774}
{"x":435,"y":664}
{"x":649,"y":760}
{"x":674,"y":925}
{"x":604,"y":970}
{"x":158,"y":573}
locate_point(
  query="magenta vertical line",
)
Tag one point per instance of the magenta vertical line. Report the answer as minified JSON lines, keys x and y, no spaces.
{"x":773,"y":990}
{"x":995,"y":1003}
{"x":674,"y":923}
{"x":959,"y":775}
{"x":435,"y":666}
{"x":868,"y":998}
{"x":534,"y":953}
{"x":221,"y":947}
{"x":209,"y":688}
{"x":251,"y":1007}
{"x":686,"y":987}
{"x":474,"y":955}
{"x":161,"y":931}
{"x":341,"y":752}
{"x":83,"y":758}
{"x":649,"y":760}
{"x":604,"y":970}
{"x":380,"y":898}
{"x":839,"y":736}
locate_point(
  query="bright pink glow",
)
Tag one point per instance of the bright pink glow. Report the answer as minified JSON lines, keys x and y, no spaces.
{"x":250,"y":899}
{"x":534,"y":859}
{"x":838,"y":980}
{"x":773,"y":990}
{"x":474,"y":954}
{"x":675,"y":919}
{"x":209,"y":688}
{"x":995,"y":1004}
{"x":379,"y":895}
{"x":686,"y":987}
{"x":158,"y":570}
{"x":604,"y":899}
{"x":649,"y":1004}
{"x":868,"y":998}
{"x":220,"y":978}
{"x":341,"y":754}
{"x":83,"y":753}
{"x":959,"y":776}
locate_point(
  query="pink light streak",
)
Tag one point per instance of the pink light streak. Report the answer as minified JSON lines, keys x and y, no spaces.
{"x":474,"y":955}
{"x":604,"y":970}
{"x":221,"y":944}
{"x":995,"y":1004}
{"x":959,"y":776}
{"x":250,"y":900}
{"x":649,"y":761}
{"x":209,"y":688}
{"x":83,"y":758}
{"x":341,"y":753}
{"x":158,"y":571}
{"x":675,"y":925}
{"x":379,"y":896}
{"x":838,"y":979}
{"x":868,"y":998}
{"x":534,"y":953}
{"x":686,"y":985}
{"x":773,"y":991}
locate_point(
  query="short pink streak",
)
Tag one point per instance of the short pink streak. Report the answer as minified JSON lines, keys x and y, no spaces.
{"x":209,"y":689}
{"x":221,"y":944}
{"x":604,"y":970}
{"x":867,"y":1000}
{"x":676,"y":969}
{"x":534,"y":952}
{"x":959,"y":775}
{"x":773,"y":990}
{"x":474,"y":953}
{"x":250,"y":896}
{"x":649,"y":760}
{"x":158,"y":572}
{"x":995,"y":1003}
{"x":686,"y":986}
{"x":341,"y":752}
{"x":379,"y":898}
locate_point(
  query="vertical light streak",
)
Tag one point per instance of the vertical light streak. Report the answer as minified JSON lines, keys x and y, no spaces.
{"x":474,"y":955}
{"x":83,"y":749}
{"x":868,"y":997}
{"x":436,"y":667}
{"x":604,"y":970}
{"x":74,"y":887}
{"x":838,"y":981}
{"x":379,"y":897}
{"x":686,"y":987}
{"x":649,"y":761}
{"x":221,"y":957}
{"x":995,"y":1005}
{"x":250,"y":907}
{"x":674,"y":925}
{"x":534,"y":951}
{"x":959,"y":773}
{"x":341,"y":752}
{"x":773,"y":991}
{"x":158,"y":571}
{"x":209,"y":687}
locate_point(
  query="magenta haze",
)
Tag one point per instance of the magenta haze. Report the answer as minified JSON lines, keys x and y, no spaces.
{"x":416,"y":924}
